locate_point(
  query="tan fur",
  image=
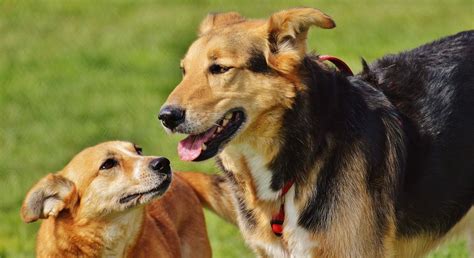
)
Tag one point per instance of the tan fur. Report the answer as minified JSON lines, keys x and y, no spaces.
{"x":202,"y":184}
{"x":229,"y":40}
{"x":293,"y":25}
{"x":84,"y":218}
{"x":424,"y":243}
{"x":207,"y":97}
{"x":213,"y":21}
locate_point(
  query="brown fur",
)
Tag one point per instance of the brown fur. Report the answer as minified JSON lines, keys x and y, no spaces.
{"x":83,"y":217}
{"x":245,"y":194}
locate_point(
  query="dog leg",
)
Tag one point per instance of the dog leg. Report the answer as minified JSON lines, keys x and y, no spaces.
{"x":214,"y":192}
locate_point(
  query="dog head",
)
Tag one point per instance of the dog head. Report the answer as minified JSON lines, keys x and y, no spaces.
{"x":238,"y":77}
{"x":101,"y":180}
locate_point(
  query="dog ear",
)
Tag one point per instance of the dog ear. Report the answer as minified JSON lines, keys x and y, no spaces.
{"x":287,"y":32}
{"x":48,"y":197}
{"x":214,"y":20}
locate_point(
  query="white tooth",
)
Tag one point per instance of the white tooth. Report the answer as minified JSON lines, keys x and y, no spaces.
{"x":228,"y":116}
{"x":204,"y":147}
{"x":219,"y":129}
{"x":225,"y":122}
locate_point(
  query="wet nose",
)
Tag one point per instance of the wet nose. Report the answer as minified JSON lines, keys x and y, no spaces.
{"x":171,"y":116}
{"x":160,"y":165}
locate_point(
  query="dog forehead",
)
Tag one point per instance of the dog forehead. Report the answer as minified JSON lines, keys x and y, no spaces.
{"x":110,"y":148}
{"x":92,"y":156}
{"x":125,"y":150}
{"x":233,"y":42}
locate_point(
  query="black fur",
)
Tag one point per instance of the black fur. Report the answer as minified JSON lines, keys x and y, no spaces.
{"x":257,"y":62}
{"x":433,"y":87}
{"x":334,"y":109}
{"x":417,"y":106}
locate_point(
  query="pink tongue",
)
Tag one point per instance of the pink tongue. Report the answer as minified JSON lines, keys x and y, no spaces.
{"x":191,"y":147}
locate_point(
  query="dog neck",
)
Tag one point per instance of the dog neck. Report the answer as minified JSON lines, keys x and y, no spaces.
{"x":122,"y":232}
{"x":112,"y":236}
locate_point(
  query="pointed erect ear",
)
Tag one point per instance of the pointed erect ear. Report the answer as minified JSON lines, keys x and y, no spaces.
{"x":48,"y":197}
{"x":215,"y":20}
{"x":287,"y":32}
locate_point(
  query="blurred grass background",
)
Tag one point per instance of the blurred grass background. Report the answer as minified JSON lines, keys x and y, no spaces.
{"x":75,"y":73}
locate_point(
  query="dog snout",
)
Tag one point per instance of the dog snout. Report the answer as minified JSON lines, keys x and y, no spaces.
{"x":171,"y":116}
{"x":160,"y":165}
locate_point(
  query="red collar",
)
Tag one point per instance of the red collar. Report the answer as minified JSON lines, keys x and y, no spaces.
{"x":277,"y":219}
{"x":341,"y":65}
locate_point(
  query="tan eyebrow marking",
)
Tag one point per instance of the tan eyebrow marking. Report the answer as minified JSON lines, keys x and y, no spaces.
{"x":127,"y":151}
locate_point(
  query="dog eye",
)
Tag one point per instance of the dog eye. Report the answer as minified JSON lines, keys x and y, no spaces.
{"x":138,"y":149}
{"x":218,"y":69}
{"x":108,"y":164}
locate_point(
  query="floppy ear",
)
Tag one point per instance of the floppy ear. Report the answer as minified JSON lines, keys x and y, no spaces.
{"x":214,"y":20}
{"x":287,"y":32}
{"x":48,"y":197}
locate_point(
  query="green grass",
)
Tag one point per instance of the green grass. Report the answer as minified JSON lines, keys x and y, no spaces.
{"x":75,"y":73}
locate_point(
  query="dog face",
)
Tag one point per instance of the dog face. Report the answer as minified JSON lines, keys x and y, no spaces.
{"x":101,"y":180}
{"x":238,"y":77}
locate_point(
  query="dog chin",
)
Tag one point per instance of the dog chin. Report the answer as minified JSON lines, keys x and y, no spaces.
{"x":149,"y":197}
{"x":144,"y":197}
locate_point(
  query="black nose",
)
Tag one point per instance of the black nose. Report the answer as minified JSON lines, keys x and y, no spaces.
{"x":171,"y":116}
{"x":160,"y":165}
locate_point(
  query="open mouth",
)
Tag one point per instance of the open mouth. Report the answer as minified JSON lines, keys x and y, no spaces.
{"x":198,"y":147}
{"x":159,"y":190}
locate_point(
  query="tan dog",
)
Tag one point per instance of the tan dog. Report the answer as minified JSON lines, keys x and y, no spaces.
{"x":318,"y":163}
{"x":95,"y":207}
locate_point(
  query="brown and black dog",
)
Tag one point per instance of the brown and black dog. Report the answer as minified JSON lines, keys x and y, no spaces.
{"x":379,"y":164}
{"x":102,"y":204}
